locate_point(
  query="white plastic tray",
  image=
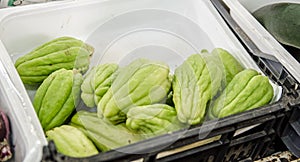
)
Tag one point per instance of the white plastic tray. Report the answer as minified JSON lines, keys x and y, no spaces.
{"x":120,"y":31}
{"x":241,"y":11}
{"x":26,"y":146}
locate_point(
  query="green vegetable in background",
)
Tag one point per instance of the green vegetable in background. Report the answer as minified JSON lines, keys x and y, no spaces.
{"x":57,"y":97}
{"x":71,"y":141}
{"x":97,"y":82}
{"x":282,"y":20}
{"x":64,"y":52}
{"x":142,"y":82}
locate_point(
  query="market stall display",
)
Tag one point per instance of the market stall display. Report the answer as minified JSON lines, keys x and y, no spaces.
{"x":174,"y":79}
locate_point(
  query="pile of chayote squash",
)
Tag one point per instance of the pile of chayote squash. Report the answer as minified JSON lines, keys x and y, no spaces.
{"x":133,"y":102}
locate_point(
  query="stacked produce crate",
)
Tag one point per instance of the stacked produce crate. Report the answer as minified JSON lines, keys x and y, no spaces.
{"x":84,"y":77}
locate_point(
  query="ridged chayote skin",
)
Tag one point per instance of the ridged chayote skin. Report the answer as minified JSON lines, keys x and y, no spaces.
{"x":71,"y":141}
{"x":152,"y":120}
{"x":104,"y":134}
{"x":247,"y":90}
{"x":97,"y":82}
{"x":57,"y":97}
{"x":231,"y":65}
{"x":196,"y":81}
{"x":142,"y":82}
{"x":217,"y":73}
{"x":63,"y":52}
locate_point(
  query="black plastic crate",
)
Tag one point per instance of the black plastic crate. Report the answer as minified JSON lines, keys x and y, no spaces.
{"x":291,"y":133}
{"x":289,"y":128}
{"x":251,"y":145}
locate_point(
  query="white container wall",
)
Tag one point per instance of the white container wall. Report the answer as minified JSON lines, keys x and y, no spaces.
{"x":25,"y":144}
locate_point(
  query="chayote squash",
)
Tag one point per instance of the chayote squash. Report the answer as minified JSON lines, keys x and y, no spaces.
{"x":97,"y":82}
{"x":216,"y":71}
{"x":230,"y":64}
{"x":196,"y":81}
{"x":152,"y":120}
{"x":71,"y":141}
{"x":104,"y":134}
{"x":247,"y":90}
{"x":57,"y":97}
{"x":142,"y":82}
{"x":64,"y":52}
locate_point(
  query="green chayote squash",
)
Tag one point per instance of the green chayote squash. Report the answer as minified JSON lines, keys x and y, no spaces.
{"x":152,"y":120}
{"x":247,"y":90}
{"x":97,"y":82}
{"x":104,"y":134}
{"x":71,"y":141}
{"x":142,"y":82}
{"x":63,"y":52}
{"x":230,"y":64}
{"x":57,"y":97}
{"x":196,"y":81}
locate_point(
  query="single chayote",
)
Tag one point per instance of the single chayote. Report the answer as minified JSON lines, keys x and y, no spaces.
{"x":71,"y":141}
{"x":231,"y":65}
{"x":247,"y":90}
{"x":97,"y":82}
{"x":152,"y":120}
{"x":142,"y":82}
{"x":104,"y":134}
{"x":196,"y":81}
{"x":57,"y":97}
{"x":63,"y":52}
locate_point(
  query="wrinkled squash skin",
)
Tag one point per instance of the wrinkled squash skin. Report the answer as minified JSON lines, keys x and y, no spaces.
{"x":231,"y":65}
{"x":97,"y":82}
{"x":153,"y":120}
{"x":71,"y":141}
{"x":195,"y":83}
{"x":57,"y":97}
{"x":247,"y":90}
{"x":64,"y":52}
{"x":142,"y":82}
{"x":103,"y":133}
